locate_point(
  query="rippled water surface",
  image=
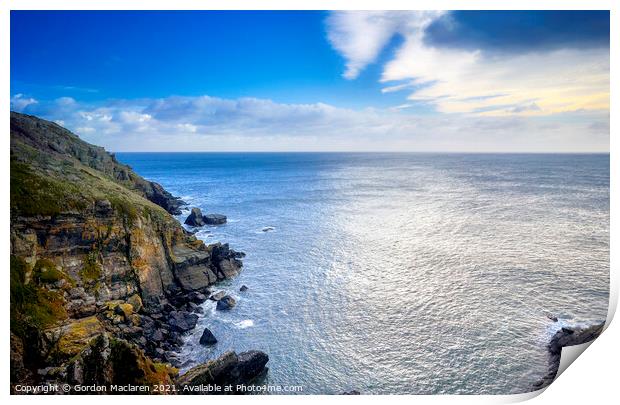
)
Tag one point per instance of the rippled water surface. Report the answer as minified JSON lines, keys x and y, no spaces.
{"x":399,"y":273}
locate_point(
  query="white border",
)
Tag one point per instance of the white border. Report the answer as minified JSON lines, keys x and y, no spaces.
{"x":592,"y":380}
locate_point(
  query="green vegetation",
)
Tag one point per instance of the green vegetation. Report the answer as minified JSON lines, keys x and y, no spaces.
{"x":32,"y":194}
{"x":91,"y":272}
{"x":31,"y":304}
{"x":45,"y":272}
{"x":126,"y":209}
{"x":131,"y":366}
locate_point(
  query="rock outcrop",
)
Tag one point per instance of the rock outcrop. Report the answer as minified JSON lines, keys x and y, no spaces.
{"x":196,"y":218}
{"x":566,"y":336}
{"x":96,"y":255}
{"x":207,"y":338}
{"x":107,"y":361}
{"x":225,"y":303}
{"x":214,"y":219}
{"x":230,"y":368}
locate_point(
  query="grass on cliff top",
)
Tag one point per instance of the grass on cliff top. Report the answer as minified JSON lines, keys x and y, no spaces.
{"x":33,"y":194}
{"x":74,"y":187}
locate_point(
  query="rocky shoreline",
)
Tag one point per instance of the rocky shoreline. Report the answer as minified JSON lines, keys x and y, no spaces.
{"x":104,"y":281}
{"x":566,"y":336}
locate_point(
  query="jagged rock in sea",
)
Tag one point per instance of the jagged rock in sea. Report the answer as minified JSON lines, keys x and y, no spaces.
{"x":95,"y":252}
{"x":230,"y":368}
{"x":214,"y":219}
{"x":225,"y":303}
{"x":207,"y":338}
{"x":566,"y":336}
{"x":243,"y":288}
{"x":196,"y":218}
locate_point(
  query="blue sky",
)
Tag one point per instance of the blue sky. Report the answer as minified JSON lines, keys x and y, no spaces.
{"x":505,"y":81}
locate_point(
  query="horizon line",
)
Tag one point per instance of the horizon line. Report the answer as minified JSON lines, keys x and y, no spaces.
{"x":385,"y":152}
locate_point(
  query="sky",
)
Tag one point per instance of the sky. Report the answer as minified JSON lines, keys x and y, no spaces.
{"x":454,"y":81}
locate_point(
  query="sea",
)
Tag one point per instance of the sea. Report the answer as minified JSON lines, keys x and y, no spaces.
{"x":398,"y":273}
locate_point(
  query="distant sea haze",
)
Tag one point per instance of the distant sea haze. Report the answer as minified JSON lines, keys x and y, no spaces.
{"x":412,"y":273}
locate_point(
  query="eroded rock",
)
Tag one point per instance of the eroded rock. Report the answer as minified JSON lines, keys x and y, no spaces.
{"x":226,"y":303}
{"x":228,"y":369}
{"x":207,"y":338}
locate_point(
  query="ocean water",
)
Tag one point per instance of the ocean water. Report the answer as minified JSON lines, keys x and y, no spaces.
{"x":399,"y":273}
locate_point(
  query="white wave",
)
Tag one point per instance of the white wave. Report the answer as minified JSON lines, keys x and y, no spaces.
{"x":246,"y":323}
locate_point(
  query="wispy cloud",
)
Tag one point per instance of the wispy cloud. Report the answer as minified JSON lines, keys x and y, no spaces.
{"x":217,"y":124}
{"x":461,"y":80}
{"x":19,"y":102}
{"x":360,"y":36}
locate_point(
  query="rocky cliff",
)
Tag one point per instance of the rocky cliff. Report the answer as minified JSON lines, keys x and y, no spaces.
{"x":98,"y":264}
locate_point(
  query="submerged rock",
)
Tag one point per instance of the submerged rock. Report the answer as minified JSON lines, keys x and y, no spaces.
{"x":243,"y":288}
{"x":226,"y":302}
{"x":228,"y":369}
{"x":207,"y":338}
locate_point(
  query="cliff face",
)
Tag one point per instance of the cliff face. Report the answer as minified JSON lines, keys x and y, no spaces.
{"x":95,"y":251}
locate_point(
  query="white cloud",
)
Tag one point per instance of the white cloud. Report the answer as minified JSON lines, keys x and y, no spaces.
{"x":19,"y":102}
{"x":65,"y":101}
{"x":462,"y":81}
{"x":216,"y":124}
{"x":360,"y":36}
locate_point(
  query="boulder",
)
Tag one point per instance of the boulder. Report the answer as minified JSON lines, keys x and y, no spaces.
{"x":251,"y":364}
{"x":196,"y":297}
{"x":207,"y":338}
{"x":126,"y":310}
{"x":195,"y":218}
{"x":76,"y":335}
{"x":214,"y":219}
{"x":217,"y":296}
{"x":182,"y":321}
{"x":136,"y":302}
{"x":225,"y":260}
{"x":193,"y":268}
{"x":228,"y":369}
{"x":227,"y":302}
{"x":243,"y":288}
